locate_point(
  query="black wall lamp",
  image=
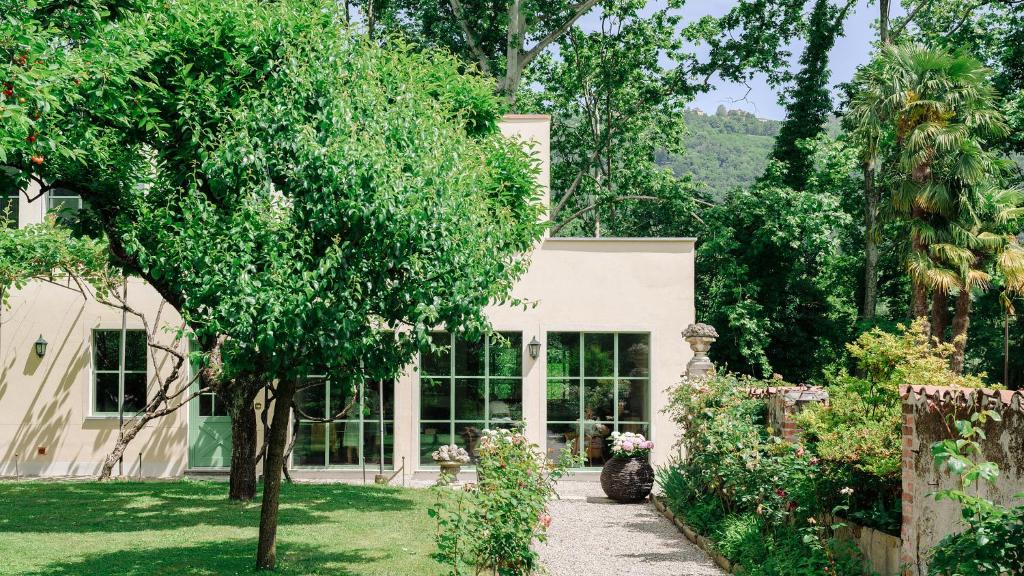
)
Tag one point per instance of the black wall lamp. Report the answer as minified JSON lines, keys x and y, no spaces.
{"x":40,"y":346}
{"x":534,"y":347}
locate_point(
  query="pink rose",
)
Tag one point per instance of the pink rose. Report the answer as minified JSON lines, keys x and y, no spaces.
{"x":545,"y":520}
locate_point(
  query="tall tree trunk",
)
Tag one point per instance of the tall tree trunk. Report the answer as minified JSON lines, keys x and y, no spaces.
{"x":130,"y":430}
{"x":266,"y":555}
{"x":871,"y":198}
{"x":961,"y":322}
{"x":242,"y":485}
{"x":514,"y":51}
{"x":919,"y":297}
{"x":940,"y":313}
{"x":883,"y":21}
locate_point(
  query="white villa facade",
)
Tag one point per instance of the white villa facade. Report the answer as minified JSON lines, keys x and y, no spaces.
{"x":606,"y":347}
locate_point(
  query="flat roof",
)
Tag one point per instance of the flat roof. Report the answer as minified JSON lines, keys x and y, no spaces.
{"x":622,"y":239}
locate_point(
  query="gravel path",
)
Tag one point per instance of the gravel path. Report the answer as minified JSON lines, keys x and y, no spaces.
{"x":591,"y":535}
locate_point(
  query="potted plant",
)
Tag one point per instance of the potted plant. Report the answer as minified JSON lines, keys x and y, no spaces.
{"x":628,"y":476}
{"x":451,"y":458}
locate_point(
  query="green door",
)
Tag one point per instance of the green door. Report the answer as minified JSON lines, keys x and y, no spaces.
{"x":209,"y":432}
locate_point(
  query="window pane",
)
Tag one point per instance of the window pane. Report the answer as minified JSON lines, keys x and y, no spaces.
{"x":633,"y":400}
{"x":437,"y":363}
{"x":467,"y":435}
{"x":433,"y":436}
{"x":506,"y":402}
{"x":563,"y":354}
{"x":219,"y":407}
{"x":312,"y":398}
{"x":344,"y":441}
{"x":634,"y":355}
{"x":595,"y":443}
{"x":507,"y":356}
{"x":563,"y":400}
{"x":372,"y":443}
{"x":562,"y":437}
{"x":598,"y":355}
{"x":342,"y":395}
{"x":134,"y":391}
{"x":597,"y":399}
{"x":135,"y":351}
{"x":635,"y":429}
{"x":106,"y":392}
{"x":206,"y":404}
{"x":107,"y":346}
{"x":309,"y":444}
{"x":469,"y":357}
{"x":9,"y":208}
{"x":372,"y":400}
{"x":469,"y":398}
{"x":435,"y":399}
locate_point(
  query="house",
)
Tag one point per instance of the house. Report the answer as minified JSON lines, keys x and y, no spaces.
{"x":596,"y":354}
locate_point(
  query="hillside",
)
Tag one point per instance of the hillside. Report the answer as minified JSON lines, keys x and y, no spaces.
{"x":727,"y":149}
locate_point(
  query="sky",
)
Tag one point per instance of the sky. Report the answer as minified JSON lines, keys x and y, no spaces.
{"x":850,"y":51}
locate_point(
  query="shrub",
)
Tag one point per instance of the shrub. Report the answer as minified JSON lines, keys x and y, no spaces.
{"x":490,"y":526}
{"x":764,"y":501}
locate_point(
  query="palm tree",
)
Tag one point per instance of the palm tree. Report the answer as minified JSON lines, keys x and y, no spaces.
{"x":924,"y":114}
{"x":978,"y":250}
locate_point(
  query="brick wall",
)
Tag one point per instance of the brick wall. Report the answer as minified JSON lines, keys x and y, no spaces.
{"x":784,"y":402}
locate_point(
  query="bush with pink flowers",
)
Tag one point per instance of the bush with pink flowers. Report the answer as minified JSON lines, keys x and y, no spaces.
{"x":489,"y":527}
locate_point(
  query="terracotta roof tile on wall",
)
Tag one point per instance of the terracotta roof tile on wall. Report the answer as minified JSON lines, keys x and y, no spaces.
{"x":915,"y":394}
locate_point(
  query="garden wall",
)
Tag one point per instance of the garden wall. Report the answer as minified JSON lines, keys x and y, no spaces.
{"x":926,"y":419}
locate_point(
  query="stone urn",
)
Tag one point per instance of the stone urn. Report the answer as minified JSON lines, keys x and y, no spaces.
{"x":700,"y":337}
{"x":627,"y":480}
{"x":452,"y":469}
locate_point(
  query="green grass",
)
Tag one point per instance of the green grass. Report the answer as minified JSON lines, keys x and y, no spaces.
{"x":190,"y":528}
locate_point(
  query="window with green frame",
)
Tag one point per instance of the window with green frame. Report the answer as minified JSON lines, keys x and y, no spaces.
{"x":109,"y":390}
{"x":325,"y":437}
{"x":598,"y":383}
{"x":466,"y":387}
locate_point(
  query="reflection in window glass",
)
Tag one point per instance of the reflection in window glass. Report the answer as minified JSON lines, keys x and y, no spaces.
{"x":598,"y":383}
{"x":339,"y":424}
{"x":480,"y":387}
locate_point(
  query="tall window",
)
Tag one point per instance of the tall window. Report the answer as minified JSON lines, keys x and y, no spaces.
{"x":467,"y":387}
{"x":326,"y":437}
{"x":110,"y":390}
{"x":9,"y":200}
{"x":598,"y":383}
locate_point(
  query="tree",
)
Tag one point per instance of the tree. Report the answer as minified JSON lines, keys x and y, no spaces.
{"x":809,"y":102}
{"x":933,"y":112}
{"x":279,"y":200}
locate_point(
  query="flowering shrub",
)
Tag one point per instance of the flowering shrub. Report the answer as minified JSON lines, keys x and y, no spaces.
{"x":490,"y":526}
{"x":765,"y":502}
{"x":451,"y":453}
{"x":630,"y":445}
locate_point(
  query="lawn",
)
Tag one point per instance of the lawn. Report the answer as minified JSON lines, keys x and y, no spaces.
{"x":165,"y":528}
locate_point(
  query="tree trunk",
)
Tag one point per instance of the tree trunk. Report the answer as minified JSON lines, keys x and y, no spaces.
{"x":514,"y":52}
{"x":919,"y":299}
{"x":940,"y":313}
{"x":870,"y":243}
{"x":266,"y":555}
{"x":128,"y":433}
{"x":883,"y":21}
{"x":242,"y":485}
{"x":961,"y":322}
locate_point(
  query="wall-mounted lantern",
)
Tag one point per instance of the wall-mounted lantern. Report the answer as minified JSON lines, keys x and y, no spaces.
{"x":534,"y":347}
{"x":41,"y":346}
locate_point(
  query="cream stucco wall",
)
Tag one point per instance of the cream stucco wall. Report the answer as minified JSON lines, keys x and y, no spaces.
{"x":577,"y":285}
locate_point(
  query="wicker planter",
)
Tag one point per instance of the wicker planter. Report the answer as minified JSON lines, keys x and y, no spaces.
{"x":627,"y":479}
{"x":452,"y":469}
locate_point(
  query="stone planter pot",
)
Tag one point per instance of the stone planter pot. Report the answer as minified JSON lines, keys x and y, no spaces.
{"x":627,"y":480}
{"x":452,"y":469}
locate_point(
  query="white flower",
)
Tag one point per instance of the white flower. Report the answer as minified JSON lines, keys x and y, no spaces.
{"x":846,"y":491}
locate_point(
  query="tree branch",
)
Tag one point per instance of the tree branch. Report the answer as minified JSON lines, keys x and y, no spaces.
{"x":578,"y":11}
{"x":460,"y":15}
{"x":597,"y":205}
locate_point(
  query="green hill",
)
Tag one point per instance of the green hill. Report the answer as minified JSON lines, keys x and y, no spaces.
{"x":724,"y":150}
